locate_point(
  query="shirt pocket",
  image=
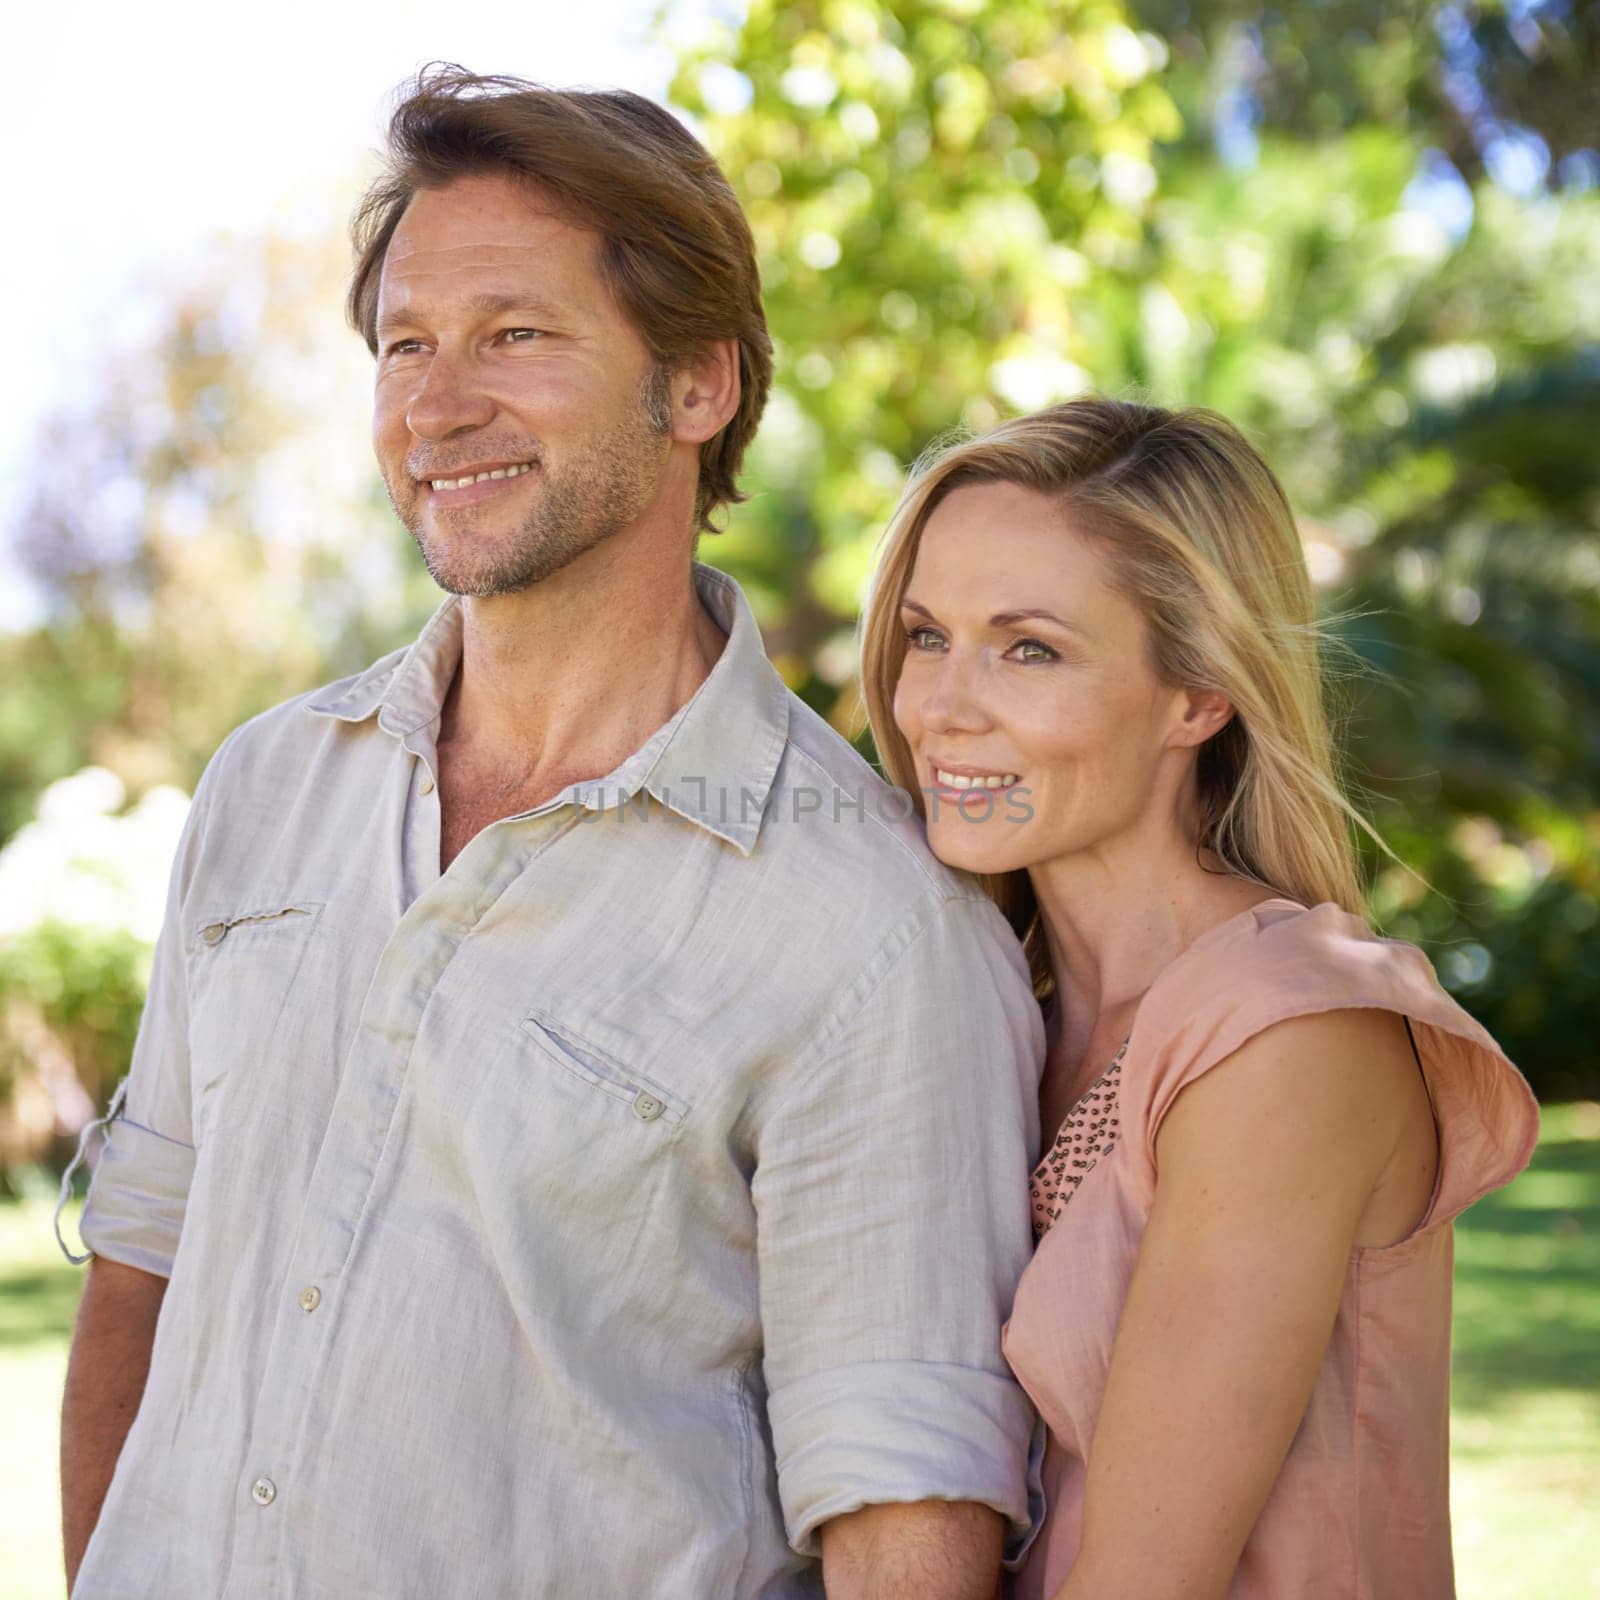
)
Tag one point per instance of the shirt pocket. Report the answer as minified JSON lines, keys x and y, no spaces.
{"x":622,"y":1091}
{"x":241,"y":968}
{"x":580,"y":1157}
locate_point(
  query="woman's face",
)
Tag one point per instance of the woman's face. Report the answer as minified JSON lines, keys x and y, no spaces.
{"x":1028,"y":674}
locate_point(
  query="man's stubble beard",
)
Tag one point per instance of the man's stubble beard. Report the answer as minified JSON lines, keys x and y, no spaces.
{"x":599,"y":492}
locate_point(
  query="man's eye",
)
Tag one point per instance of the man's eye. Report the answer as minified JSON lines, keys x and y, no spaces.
{"x":532,"y":333}
{"x":399,"y":346}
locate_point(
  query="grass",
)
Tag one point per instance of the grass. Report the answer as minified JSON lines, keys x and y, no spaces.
{"x":1525,"y":1449}
{"x":1525,"y":1441}
{"x":38,"y":1293}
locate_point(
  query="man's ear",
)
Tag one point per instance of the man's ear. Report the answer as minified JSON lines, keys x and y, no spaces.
{"x":705,"y":393}
{"x":1204,"y":714}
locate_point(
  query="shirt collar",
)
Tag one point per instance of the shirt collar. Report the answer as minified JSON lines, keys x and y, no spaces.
{"x":713,"y":762}
{"x":406,"y":690}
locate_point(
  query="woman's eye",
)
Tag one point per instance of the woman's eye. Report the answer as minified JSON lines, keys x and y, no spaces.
{"x":1046,"y":653}
{"x":914,"y":637}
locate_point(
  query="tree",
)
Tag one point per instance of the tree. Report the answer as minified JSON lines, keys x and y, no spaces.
{"x":966,"y":210}
{"x":210,"y":538}
{"x":221,"y":540}
{"x":930,"y":186}
{"x":1462,"y":77}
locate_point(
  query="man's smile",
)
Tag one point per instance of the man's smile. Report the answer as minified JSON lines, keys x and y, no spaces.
{"x":470,"y":487}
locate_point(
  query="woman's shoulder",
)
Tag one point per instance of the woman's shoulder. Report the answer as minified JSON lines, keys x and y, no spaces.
{"x":1281,"y":961}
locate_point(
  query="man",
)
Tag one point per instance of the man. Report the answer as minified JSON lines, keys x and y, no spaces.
{"x":577,"y":1138}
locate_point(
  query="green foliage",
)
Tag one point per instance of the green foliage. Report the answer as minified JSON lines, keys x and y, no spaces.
{"x":77,"y":680}
{"x":219,"y":540}
{"x":928,"y":185}
{"x":965,"y":211}
{"x":1455,"y":74}
{"x":70,"y":1001}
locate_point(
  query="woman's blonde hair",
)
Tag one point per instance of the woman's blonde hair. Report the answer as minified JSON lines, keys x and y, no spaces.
{"x":1199,"y":536}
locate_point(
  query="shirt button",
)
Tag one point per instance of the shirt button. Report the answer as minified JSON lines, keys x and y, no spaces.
{"x":263,"y":1491}
{"x":427,"y":783}
{"x":310,"y":1297}
{"x":212,"y":933}
{"x":647,"y":1108}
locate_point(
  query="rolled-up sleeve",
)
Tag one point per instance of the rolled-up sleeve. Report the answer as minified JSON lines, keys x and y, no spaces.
{"x":892,"y":1207}
{"x":135,"y":1205}
{"x":134,"y":1210}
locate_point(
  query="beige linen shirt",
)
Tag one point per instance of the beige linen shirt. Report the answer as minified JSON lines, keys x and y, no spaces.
{"x":596,"y":1218}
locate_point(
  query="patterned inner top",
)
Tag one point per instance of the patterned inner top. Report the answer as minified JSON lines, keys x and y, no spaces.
{"x":1088,"y":1133}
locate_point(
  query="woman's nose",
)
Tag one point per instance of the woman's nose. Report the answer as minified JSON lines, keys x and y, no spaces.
{"x":952,"y":704}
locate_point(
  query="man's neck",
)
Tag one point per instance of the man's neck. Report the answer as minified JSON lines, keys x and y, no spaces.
{"x":562,"y":680}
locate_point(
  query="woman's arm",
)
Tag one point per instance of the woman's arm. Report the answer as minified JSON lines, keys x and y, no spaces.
{"x":1265,"y":1166}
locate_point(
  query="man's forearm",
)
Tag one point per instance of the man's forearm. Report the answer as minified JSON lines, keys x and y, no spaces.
{"x":924,"y":1550}
{"x":106,"y":1375}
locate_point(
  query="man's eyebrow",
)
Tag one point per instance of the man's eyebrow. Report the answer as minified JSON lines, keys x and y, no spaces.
{"x":489,"y":304}
{"x":1001,"y":619}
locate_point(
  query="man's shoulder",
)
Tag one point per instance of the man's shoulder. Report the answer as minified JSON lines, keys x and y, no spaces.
{"x":295,"y":724}
{"x":867,"y":912}
{"x":828,"y":801}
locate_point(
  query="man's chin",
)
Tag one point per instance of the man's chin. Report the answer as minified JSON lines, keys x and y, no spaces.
{"x":480,"y":585}
{"x":476,"y":579}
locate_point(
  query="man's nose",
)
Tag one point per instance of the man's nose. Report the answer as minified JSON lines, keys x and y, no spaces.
{"x":451,"y":397}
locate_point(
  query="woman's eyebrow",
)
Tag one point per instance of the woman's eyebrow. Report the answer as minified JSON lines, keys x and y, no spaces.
{"x":1001,"y":619}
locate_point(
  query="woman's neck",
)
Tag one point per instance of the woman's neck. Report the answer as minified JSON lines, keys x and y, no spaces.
{"x":1112,"y":921}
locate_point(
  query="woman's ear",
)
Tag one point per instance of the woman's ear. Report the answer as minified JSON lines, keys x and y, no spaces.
{"x":1204,"y":714}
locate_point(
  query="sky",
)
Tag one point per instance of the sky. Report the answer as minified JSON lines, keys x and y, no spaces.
{"x":136,"y":131}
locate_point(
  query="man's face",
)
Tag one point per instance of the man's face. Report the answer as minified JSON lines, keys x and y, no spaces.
{"x":502,"y":351}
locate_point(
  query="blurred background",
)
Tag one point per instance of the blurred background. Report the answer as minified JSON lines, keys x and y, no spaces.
{"x":1369,"y":233}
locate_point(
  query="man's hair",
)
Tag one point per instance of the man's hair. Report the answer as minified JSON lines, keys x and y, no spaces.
{"x":676,"y":249}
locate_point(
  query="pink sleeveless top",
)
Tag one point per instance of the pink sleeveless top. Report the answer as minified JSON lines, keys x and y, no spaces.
{"x":1360,"y":1509}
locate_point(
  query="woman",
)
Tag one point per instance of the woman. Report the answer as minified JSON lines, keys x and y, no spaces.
{"x":1091,"y":650}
